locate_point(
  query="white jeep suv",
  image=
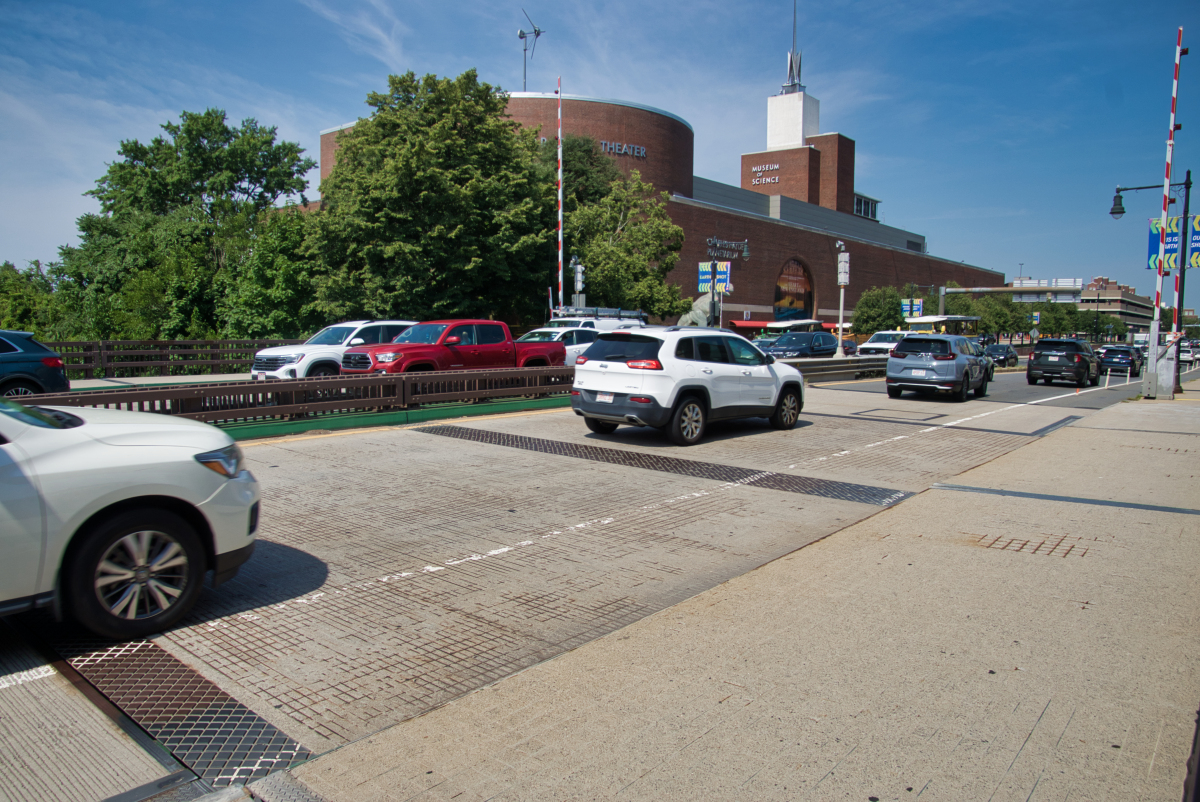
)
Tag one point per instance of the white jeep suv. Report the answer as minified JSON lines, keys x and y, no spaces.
{"x":322,"y":354}
{"x":881,"y":343}
{"x":679,"y":378}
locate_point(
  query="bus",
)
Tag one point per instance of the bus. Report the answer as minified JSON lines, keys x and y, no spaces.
{"x":966,"y":325}
{"x":781,"y":327}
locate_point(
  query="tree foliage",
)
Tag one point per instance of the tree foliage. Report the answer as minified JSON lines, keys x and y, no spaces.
{"x":435,"y":208}
{"x":878,"y":309}
{"x":628,"y":244}
{"x":588,"y":174}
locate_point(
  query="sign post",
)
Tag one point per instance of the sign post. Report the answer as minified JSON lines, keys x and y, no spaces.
{"x":843,"y":280}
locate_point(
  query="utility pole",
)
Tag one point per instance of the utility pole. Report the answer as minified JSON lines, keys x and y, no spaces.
{"x":1184,"y":234}
{"x":843,"y":280}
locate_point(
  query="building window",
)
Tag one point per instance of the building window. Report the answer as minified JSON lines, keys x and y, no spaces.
{"x":866,"y":207}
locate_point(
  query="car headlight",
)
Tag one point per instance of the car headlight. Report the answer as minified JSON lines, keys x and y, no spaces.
{"x":388,"y":357}
{"x":226,"y":461}
{"x":289,"y":359}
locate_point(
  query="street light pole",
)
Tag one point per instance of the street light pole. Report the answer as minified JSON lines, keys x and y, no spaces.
{"x":1184,"y":233}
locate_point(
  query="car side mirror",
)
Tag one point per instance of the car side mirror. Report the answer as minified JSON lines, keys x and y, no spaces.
{"x":452,"y":341}
{"x":357,"y":341}
{"x":770,"y":359}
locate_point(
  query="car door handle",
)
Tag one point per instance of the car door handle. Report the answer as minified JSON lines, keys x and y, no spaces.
{"x":706,"y":370}
{"x":746,"y":373}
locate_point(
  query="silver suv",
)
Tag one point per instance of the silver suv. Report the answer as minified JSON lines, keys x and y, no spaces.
{"x":941,"y":363}
{"x":677,"y":379}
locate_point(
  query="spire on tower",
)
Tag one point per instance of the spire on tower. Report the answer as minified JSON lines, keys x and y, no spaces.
{"x":793,"y":74}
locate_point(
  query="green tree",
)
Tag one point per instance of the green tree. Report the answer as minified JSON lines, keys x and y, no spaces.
{"x":628,"y":245}
{"x":173,"y":214}
{"x":435,"y":208}
{"x":878,"y":309}
{"x":588,"y":174}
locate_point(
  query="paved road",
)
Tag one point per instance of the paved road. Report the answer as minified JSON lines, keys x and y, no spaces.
{"x":401,"y":568}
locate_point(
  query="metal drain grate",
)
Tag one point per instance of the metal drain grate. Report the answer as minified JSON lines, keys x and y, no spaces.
{"x":825,"y":488}
{"x":206,"y":729}
{"x":1051,"y":546}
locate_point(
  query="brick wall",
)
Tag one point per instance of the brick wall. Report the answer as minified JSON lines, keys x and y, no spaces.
{"x":795,"y":172}
{"x":837,"y":171}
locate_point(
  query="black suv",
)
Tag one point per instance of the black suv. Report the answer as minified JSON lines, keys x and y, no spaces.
{"x":1063,"y":360}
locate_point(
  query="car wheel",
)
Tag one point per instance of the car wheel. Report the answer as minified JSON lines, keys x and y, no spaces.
{"x":787,"y":411}
{"x":965,"y":389}
{"x":1082,"y":381}
{"x":600,"y":426}
{"x":1095,"y":380}
{"x":137,"y":573}
{"x":981,"y":390}
{"x":1030,"y":379}
{"x":687,"y":423}
{"x":1137,"y":372}
{"x":322,"y":371}
{"x":20,"y":387}
{"x":894,"y":392}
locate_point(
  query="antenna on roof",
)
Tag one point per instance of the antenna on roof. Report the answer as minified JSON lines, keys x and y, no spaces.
{"x":524,"y":35}
{"x":793,"y":77}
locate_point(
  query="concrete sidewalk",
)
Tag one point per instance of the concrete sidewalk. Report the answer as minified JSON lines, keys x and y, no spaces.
{"x":1022,"y":643}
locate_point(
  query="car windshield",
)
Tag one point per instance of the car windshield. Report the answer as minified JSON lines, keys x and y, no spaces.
{"x":33,"y":416}
{"x":886,"y":337}
{"x":1117,"y":352}
{"x":622,"y":347}
{"x":334,"y":335}
{"x":922,"y":345}
{"x":795,"y":339}
{"x":540,"y":337}
{"x":997,"y":349}
{"x":422,"y":333}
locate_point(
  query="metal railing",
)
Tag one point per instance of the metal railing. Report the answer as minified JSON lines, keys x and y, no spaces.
{"x":124,"y":358}
{"x":244,"y":401}
{"x":851,"y":367}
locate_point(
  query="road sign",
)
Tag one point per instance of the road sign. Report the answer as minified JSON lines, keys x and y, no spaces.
{"x":1034,"y":333}
{"x":843,"y":269}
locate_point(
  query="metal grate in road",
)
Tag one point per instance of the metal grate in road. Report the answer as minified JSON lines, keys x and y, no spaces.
{"x":825,"y":488}
{"x":206,"y":729}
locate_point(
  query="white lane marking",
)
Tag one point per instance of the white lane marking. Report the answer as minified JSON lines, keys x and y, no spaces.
{"x":21,"y":677}
{"x":388,"y":579}
{"x":938,"y":426}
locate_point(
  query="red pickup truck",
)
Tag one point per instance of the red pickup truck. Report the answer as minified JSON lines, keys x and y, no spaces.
{"x":452,"y":345}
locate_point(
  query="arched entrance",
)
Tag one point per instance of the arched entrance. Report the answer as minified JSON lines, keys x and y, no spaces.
{"x":793,"y":292}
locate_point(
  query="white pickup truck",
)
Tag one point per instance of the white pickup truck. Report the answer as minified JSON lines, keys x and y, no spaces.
{"x":322,"y":354}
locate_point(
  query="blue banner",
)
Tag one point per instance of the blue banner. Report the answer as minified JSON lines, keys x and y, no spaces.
{"x":1194,"y":242}
{"x":1171,"y":254}
{"x":705,"y":277}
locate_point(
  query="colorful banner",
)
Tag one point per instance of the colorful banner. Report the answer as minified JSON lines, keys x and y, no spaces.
{"x":721,"y":272}
{"x":1194,"y":242}
{"x":1171,"y":254}
{"x":912,"y":307}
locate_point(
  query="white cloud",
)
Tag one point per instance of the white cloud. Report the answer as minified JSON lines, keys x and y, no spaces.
{"x":371,"y":28}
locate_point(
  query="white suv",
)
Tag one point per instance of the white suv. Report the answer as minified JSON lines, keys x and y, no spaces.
{"x":322,"y":354}
{"x":679,"y":378}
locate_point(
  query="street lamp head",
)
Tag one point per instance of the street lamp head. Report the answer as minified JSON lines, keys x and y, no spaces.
{"x":1118,"y":209}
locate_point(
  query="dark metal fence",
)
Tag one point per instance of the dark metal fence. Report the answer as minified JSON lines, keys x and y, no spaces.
{"x":125,"y":358}
{"x":275,"y":400}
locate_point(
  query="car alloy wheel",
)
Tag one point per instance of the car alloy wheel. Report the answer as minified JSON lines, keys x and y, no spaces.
{"x":19,"y":389}
{"x":787,"y":411}
{"x":138,"y":573}
{"x":687,"y":424}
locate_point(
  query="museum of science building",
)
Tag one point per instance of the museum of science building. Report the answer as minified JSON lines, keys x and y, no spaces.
{"x":780,"y":229}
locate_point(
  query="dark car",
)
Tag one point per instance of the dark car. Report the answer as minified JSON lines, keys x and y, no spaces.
{"x":849,"y":347}
{"x":1121,"y":359}
{"x":1063,"y":360}
{"x":27,"y":367}
{"x":1004,"y":355}
{"x":801,"y":344}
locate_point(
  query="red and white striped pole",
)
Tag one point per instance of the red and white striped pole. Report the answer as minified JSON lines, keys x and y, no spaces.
{"x":1150,"y":386}
{"x":560,"y":197}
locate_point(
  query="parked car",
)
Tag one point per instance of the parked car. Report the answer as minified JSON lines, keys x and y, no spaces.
{"x":114,"y":517}
{"x":1122,"y":359}
{"x":943,"y":363}
{"x":599,"y":323}
{"x":1186,"y":355}
{"x":803,"y":344}
{"x":763,"y":343}
{"x":575,"y":341}
{"x":881,"y":343}
{"x":452,"y":345}
{"x":322,"y":354}
{"x":1063,"y":360}
{"x":678,"y":379}
{"x":1004,"y":355}
{"x":27,"y":367}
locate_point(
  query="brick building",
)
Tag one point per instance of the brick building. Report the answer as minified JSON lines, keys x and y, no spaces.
{"x":780,"y":229}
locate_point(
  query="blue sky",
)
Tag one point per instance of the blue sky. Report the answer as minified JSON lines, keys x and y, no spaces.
{"x":997,"y":129}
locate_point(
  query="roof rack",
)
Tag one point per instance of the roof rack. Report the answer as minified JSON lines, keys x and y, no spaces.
{"x":598,"y":311}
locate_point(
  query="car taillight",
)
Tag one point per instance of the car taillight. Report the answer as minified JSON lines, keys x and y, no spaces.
{"x":894,"y":355}
{"x":575,"y":392}
{"x":1078,"y":358}
{"x":644,"y":364}
{"x":52,"y":361}
{"x":641,"y":399}
{"x":943,"y":357}
{"x":579,"y":360}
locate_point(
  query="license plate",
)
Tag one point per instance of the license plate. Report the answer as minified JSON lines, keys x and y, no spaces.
{"x":1053,"y":359}
{"x":604,"y":398}
{"x":918,"y":373}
